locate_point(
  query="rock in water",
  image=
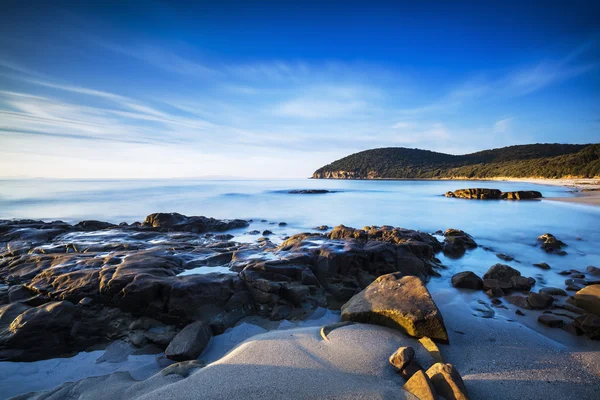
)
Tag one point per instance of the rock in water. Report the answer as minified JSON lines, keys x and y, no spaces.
{"x":550,"y":244}
{"x":539,"y":301}
{"x":447,"y":382}
{"x":420,"y":385}
{"x":521,"y":195}
{"x":190,"y":342}
{"x":457,"y":242}
{"x":588,"y":298}
{"x":400,"y":302}
{"x":467,"y":280}
{"x":501,"y":272}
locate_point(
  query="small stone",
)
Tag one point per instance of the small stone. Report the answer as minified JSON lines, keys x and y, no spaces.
{"x":420,"y":385}
{"x":542,"y":265}
{"x":267,"y":232}
{"x":447,"y":382}
{"x":519,"y":312}
{"x":517,"y":300}
{"x":282,"y":224}
{"x":505,"y":257}
{"x":402,"y":357}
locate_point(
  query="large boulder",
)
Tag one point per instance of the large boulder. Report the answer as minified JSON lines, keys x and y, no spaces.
{"x":467,"y":280}
{"x":588,"y":298}
{"x":190,"y":342}
{"x":400,"y":302}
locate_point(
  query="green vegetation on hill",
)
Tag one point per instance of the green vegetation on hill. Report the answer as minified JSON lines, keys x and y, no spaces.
{"x":526,"y":161}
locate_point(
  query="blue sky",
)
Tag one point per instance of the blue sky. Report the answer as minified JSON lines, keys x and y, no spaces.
{"x":278,"y":89}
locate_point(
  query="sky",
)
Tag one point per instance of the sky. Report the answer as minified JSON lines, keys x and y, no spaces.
{"x":157,"y":89}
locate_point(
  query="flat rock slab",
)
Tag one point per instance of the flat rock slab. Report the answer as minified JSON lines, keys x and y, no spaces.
{"x":400,"y":302}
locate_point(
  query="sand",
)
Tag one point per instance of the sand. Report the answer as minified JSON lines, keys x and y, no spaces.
{"x":581,"y":196}
{"x":497,"y":358}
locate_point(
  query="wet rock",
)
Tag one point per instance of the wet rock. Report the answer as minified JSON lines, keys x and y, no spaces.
{"x":402,"y":357}
{"x":551,"y":321}
{"x":310,"y":191}
{"x":495,"y":292}
{"x":519,"y":312}
{"x":539,"y":301}
{"x":398,"y":302}
{"x":93,"y":225}
{"x":552,"y":291}
{"x":254,"y":232}
{"x":267,"y":232}
{"x":476,"y":193}
{"x":505,"y":257}
{"x":495,"y":284}
{"x":467,"y":280}
{"x":190,"y":342}
{"x":447,"y":382}
{"x":501,"y":272}
{"x":588,"y":299}
{"x":183,"y":223}
{"x":457,"y":242}
{"x":322,"y":228}
{"x":593,"y":270}
{"x":542,"y":265}
{"x":282,"y":224}
{"x":521,"y":195}
{"x":589,"y":324}
{"x":518,"y":300}
{"x":521,"y":283}
{"x":551,"y":244}
{"x":575,"y":284}
{"x":420,"y":385}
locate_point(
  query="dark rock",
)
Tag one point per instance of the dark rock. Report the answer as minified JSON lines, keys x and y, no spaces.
{"x":467,"y":280}
{"x":505,"y":257}
{"x":447,"y":382}
{"x":92,"y":225}
{"x":551,"y":321}
{"x":310,"y":191}
{"x":519,"y":312}
{"x":501,"y":272}
{"x":551,"y":244}
{"x":552,"y":291}
{"x":522,"y":283}
{"x":402,"y":357}
{"x":182,"y":223}
{"x":593,"y":270}
{"x":518,"y":300}
{"x":398,"y":302}
{"x":589,"y":324}
{"x":322,"y":228}
{"x":495,"y":284}
{"x":457,"y":242}
{"x":542,"y":265}
{"x":190,"y":342}
{"x":267,"y":232}
{"x":539,"y":301}
{"x":495,"y":292}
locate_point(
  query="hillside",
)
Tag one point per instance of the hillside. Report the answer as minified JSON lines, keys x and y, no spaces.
{"x":525,"y":161}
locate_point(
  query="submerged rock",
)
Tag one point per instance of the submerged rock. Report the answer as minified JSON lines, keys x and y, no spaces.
{"x":457,"y":242}
{"x":398,"y":302}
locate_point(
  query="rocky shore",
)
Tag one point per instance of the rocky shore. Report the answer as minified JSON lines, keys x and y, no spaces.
{"x":173,"y":283}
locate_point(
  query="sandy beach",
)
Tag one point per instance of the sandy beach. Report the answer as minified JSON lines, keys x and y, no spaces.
{"x":586,"y":191}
